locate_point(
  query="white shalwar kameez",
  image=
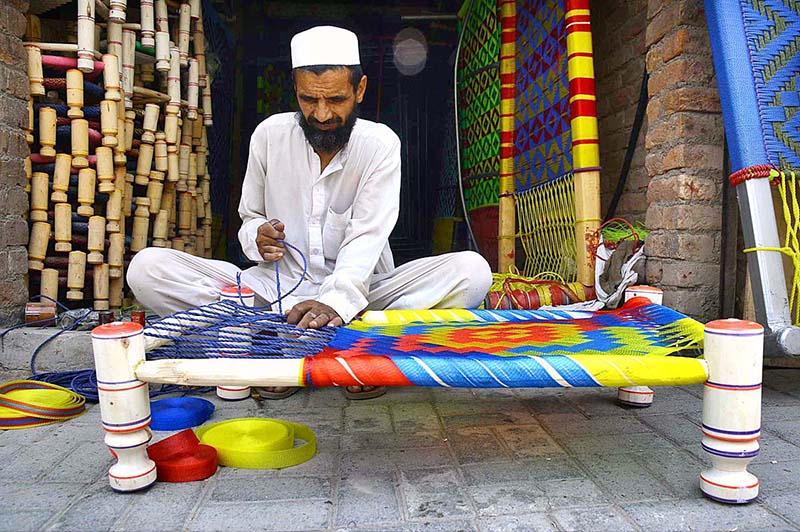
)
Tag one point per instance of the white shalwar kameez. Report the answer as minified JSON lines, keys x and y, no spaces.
{"x":339,"y":218}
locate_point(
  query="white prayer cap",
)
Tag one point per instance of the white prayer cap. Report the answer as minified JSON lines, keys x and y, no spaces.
{"x":325,"y":45}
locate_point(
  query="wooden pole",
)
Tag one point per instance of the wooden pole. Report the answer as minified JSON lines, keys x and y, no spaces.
{"x":105,"y":169}
{"x":97,"y":239}
{"x":184,"y":22}
{"x":141,"y":223}
{"x":148,"y":23}
{"x":583,"y":122}
{"x":100,"y":285}
{"x":48,"y":285}
{"x":116,"y":252}
{"x":506,"y":229}
{"x":114,"y":211}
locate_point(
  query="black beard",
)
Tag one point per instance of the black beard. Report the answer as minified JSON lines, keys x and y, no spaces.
{"x":328,"y":141}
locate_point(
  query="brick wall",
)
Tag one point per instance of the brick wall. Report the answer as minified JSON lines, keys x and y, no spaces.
{"x":13,"y":150}
{"x":684,"y":159}
{"x":619,"y":28}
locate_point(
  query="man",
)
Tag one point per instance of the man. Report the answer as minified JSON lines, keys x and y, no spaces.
{"x":327,"y":183}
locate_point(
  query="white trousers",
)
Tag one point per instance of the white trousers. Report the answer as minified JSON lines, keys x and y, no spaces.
{"x":167,"y":281}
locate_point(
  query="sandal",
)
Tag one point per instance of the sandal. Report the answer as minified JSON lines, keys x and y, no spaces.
{"x":376,"y":391}
{"x":270,"y":393}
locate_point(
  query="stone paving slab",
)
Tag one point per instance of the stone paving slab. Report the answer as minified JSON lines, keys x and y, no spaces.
{"x":427,"y":460}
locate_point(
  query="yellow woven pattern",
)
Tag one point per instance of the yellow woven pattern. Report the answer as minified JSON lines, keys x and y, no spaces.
{"x":546,"y":217}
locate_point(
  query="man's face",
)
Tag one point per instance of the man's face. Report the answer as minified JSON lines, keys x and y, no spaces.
{"x":328,"y":104}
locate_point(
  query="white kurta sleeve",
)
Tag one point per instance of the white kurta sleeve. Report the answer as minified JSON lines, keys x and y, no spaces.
{"x":374,"y":214}
{"x":251,"y":205}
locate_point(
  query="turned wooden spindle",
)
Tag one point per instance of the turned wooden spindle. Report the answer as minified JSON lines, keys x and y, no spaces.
{"x":75,"y":93}
{"x":86,"y":190}
{"x":150,"y":123}
{"x":144,"y":164}
{"x":86,"y":36}
{"x":37,"y":245}
{"x":161,"y":162}
{"x":109,"y":122}
{"x":162,"y":51}
{"x":208,"y":117}
{"x":114,"y":39}
{"x":192,"y":90}
{"x":48,"y":286}
{"x":29,"y":126}
{"x":96,"y":239}
{"x":35,"y":75}
{"x":155,"y":188}
{"x":75,"y":275}
{"x":207,"y":235}
{"x":162,"y":16}
{"x":120,"y":157}
{"x":199,"y":42}
{"x":184,"y":212}
{"x":116,"y":254}
{"x":105,"y":169}
{"x":148,"y":23}
{"x":116,"y":288}
{"x":178,"y":243}
{"x":117,"y":10}
{"x":191,"y":180}
{"x":201,"y":205}
{"x":39,"y":203}
{"x":62,"y":215}
{"x":173,"y":164}
{"x":100,"y":285}
{"x":114,"y":211}
{"x":128,"y":62}
{"x":168,"y":197}
{"x":171,"y":124}
{"x":47,"y":131}
{"x":141,"y":224}
{"x":197,"y":132}
{"x":80,"y":143}
{"x":129,"y":127}
{"x":174,"y":77}
{"x":61,"y":178}
{"x":119,"y":178}
{"x":183,"y":167}
{"x":111,"y":77}
{"x":127,"y":198}
{"x":184,"y":22}
{"x":160,"y":229}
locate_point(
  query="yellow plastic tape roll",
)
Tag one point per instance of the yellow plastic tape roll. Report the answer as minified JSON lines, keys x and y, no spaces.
{"x":259,"y":443}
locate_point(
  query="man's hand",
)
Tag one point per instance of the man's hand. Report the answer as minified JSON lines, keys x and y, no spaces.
{"x":312,"y":314}
{"x":267,"y":239}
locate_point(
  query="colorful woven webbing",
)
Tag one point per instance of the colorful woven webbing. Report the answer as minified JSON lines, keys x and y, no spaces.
{"x":542,"y":97}
{"x":772,"y":28}
{"x":515,"y":349}
{"x":479,"y":118}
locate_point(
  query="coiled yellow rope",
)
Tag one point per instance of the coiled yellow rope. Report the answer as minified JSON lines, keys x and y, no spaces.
{"x":25,"y":404}
{"x":259,"y":443}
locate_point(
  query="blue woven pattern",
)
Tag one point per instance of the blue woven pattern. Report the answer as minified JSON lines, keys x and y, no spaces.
{"x":772,"y":29}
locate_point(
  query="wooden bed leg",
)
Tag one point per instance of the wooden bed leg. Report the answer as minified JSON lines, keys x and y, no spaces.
{"x":248,"y":299}
{"x":639,"y":396}
{"x":734,"y":351}
{"x":124,"y":403}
